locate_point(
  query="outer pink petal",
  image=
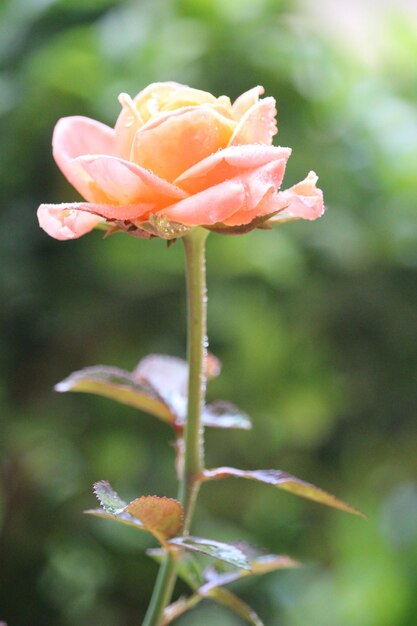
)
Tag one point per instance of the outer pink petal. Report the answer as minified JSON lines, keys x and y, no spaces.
{"x":228,"y":163}
{"x":209,"y":206}
{"x":65,"y":221}
{"x":246,"y":101}
{"x":262,"y":180}
{"x":126,"y":183}
{"x":258,"y":124}
{"x":245,"y":216}
{"x":226,"y":203}
{"x":260,"y":185}
{"x":76,"y":136}
{"x":73,"y":219}
{"x":302,"y":201}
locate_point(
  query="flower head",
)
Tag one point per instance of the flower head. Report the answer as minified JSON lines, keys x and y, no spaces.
{"x":177,"y":158}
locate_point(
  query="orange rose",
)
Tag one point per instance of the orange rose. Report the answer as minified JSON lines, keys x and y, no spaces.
{"x":177,"y":158}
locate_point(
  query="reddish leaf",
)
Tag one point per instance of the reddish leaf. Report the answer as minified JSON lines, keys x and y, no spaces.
{"x":161,"y":516}
{"x":118,"y":385}
{"x":285,"y":481}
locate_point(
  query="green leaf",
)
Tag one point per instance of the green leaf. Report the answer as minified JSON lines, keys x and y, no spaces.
{"x":118,"y":385}
{"x":285,"y":481}
{"x":123,"y":518}
{"x":228,"y":599}
{"x":188,"y":568}
{"x":225,"y":415}
{"x":168,"y":376}
{"x":157,"y":386}
{"x":178,"y":608}
{"x":260,"y":564}
{"x":161,"y":516}
{"x":221,"y":596}
{"x":108,"y":497}
{"x":216,"y":549}
{"x":272,"y":562}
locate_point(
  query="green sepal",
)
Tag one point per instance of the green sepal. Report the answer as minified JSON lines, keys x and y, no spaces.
{"x":260,"y":221}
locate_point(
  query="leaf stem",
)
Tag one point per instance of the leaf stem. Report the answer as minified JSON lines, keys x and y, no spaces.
{"x":162,"y":592}
{"x":194,"y":245}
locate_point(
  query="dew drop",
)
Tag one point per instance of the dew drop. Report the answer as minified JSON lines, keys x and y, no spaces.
{"x":129,"y":122}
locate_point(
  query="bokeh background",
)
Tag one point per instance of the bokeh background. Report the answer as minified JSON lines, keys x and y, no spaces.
{"x":315,"y":323}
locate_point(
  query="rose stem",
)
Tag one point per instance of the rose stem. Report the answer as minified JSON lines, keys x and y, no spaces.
{"x":194,"y":245}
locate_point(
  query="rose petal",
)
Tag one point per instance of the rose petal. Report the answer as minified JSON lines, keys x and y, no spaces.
{"x":258,"y":124}
{"x":228,"y":163}
{"x":209,"y":206}
{"x":135,"y":113}
{"x":73,"y":219}
{"x":126,"y":183}
{"x":260,"y":186}
{"x":64,"y":221}
{"x":244,"y":102}
{"x":225,"y":202}
{"x":150,"y":100}
{"x":302,"y":201}
{"x":127,"y":124}
{"x":76,"y":136}
{"x":260,"y":181}
{"x":175,"y":141}
{"x":185,"y":97}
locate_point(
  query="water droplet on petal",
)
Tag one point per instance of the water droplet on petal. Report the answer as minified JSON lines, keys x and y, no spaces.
{"x":129,"y":122}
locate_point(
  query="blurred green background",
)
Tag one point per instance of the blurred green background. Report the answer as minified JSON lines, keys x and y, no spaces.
{"x":315,"y":323}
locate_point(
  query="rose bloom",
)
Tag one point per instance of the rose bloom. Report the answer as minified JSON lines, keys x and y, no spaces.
{"x":177,"y":158}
